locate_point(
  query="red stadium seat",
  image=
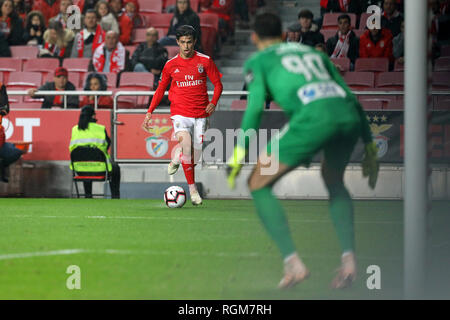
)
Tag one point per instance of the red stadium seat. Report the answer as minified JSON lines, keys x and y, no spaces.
{"x":441,"y":80}
{"x":138,"y":36}
{"x":24,"y":52}
{"x":330,"y":20}
{"x":397,"y":104}
{"x":77,"y":65}
{"x":274,"y":106}
{"x":327,"y":34}
{"x":42,"y":65}
{"x":8,"y":65}
{"x":363,"y":20}
{"x":371,"y":104}
{"x":344,"y":63}
{"x":390,"y":81}
{"x":172,"y":51}
{"x":131,"y":102}
{"x":238,"y":105}
{"x":209,"y":20}
{"x":360,"y":80}
{"x":111,"y":80}
{"x":372,"y":64}
{"x":139,"y":80}
{"x":161,"y":20}
{"x":441,"y":103}
{"x":150,"y":6}
{"x":131,"y":49}
{"x":442,"y":64}
{"x":24,"y":80}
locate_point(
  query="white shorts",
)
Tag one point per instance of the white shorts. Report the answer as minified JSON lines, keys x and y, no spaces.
{"x":195,"y":126}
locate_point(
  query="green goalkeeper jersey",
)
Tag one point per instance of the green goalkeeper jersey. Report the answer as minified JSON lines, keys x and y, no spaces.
{"x":300,"y":80}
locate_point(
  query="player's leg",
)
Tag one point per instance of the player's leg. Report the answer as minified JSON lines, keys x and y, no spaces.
{"x":273,"y":218}
{"x":336,"y":156}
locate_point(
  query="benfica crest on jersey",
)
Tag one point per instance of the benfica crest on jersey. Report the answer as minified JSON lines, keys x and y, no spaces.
{"x":200,"y":68}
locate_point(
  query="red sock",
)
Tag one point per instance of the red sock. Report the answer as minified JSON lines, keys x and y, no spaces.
{"x":188,"y":168}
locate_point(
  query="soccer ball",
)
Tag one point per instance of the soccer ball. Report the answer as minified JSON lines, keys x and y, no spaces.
{"x":175,"y":197}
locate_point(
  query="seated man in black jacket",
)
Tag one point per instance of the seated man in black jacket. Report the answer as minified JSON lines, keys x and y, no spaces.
{"x":305,"y":31}
{"x":60,"y":83}
{"x":150,"y":56}
{"x":345,"y":44}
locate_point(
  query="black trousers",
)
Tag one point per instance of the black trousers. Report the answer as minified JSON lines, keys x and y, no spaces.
{"x":114,"y":183}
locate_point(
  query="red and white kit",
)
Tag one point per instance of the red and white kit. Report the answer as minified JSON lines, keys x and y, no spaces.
{"x":188,"y":92}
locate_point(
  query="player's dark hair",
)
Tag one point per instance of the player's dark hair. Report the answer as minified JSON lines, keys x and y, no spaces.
{"x":186,"y":31}
{"x":344,"y":16}
{"x":267,"y":25}
{"x":306,"y":14}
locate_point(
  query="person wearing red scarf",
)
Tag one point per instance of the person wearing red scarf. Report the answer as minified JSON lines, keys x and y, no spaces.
{"x":110,"y":56}
{"x":89,"y":38}
{"x":345,"y":44}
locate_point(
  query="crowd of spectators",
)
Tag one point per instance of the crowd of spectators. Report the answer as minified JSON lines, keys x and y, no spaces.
{"x":106,"y":35}
{"x":357,"y":41}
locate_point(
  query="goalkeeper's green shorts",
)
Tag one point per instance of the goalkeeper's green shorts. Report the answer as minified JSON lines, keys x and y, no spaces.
{"x":304,"y":136}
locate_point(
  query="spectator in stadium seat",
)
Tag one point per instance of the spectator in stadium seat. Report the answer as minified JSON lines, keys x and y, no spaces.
{"x":184,"y":15}
{"x":348,"y":6}
{"x":11,"y":25}
{"x":132,"y":11}
{"x":96,"y":82}
{"x":108,"y":19}
{"x":49,"y":8}
{"x":392,"y":18}
{"x":110,"y":56}
{"x":8,"y":152}
{"x":150,"y":56}
{"x":225,"y":10}
{"x":57,"y":41}
{"x":60,"y":83}
{"x":399,"y":45}
{"x":89,"y":38}
{"x":376,"y":43}
{"x":440,"y":22}
{"x":305,"y":31}
{"x":62,"y":16}
{"x":34,"y":29}
{"x":125,"y":23}
{"x":345,"y":44}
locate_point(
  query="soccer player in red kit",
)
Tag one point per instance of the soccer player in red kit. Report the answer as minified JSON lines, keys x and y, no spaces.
{"x":189,"y":103}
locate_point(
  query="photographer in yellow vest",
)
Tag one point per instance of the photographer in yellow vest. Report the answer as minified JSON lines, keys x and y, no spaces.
{"x":90,"y":134}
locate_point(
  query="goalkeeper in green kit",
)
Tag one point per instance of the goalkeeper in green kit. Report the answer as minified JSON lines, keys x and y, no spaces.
{"x":323,"y":115}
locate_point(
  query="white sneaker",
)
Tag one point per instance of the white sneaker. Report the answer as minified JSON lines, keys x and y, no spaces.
{"x":294,"y":272}
{"x":195,"y":198}
{"x":172,"y":168}
{"x":346,"y":273}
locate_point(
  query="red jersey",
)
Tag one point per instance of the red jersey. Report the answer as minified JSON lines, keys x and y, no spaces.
{"x":188,"y":92}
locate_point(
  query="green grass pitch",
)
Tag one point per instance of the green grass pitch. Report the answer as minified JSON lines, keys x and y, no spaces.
{"x":139,"y":249}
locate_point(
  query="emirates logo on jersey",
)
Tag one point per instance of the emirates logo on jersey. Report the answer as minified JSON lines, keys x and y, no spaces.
{"x":189,"y":82}
{"x":200,"y":68}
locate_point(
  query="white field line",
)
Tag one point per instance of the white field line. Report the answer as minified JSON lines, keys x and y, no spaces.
{"x":40,"y":254}
{"x":188,"y":219}
{"x":22,"y":255}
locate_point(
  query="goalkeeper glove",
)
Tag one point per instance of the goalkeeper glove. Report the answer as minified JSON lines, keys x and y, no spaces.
{"x":370,"y":165}
{"x":234,"y":165}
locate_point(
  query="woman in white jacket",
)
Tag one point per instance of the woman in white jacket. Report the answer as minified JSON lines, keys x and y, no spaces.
{"x":108,"y":20}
